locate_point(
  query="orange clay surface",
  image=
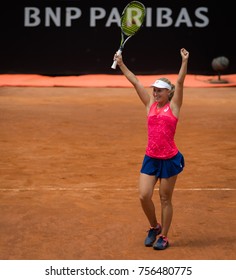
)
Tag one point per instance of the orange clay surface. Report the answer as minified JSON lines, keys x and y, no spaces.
{"x":69,"y":168}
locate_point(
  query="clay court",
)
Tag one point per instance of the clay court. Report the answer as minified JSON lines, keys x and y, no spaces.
{"x":70,"y":161}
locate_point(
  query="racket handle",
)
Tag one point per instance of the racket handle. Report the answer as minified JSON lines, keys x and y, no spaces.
{"x":114,"y":64}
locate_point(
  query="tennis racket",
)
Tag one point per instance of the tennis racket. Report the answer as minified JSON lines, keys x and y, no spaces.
{"x":130,"y":23}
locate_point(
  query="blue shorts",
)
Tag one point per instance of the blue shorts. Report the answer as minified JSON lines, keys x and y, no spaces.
{"x":163,"y":168}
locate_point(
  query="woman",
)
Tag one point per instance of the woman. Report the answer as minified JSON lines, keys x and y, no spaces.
{"x":162,"y":161}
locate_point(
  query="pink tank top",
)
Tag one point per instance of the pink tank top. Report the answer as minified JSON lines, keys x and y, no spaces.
{"x":161,"y":131}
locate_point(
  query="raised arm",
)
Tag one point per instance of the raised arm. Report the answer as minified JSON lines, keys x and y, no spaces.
{"x":141,"y":91}
{"x":177,"y":100}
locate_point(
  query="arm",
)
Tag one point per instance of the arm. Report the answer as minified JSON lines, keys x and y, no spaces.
{"x":141,"y":91}
{"x":177,"y":100}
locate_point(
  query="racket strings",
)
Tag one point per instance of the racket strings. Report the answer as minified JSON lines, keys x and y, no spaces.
{"x":132,"y":18}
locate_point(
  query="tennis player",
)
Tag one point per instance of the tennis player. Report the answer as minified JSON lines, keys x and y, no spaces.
{"x":162,"y":160}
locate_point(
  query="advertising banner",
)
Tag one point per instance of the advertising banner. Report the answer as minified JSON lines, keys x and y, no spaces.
{"x":73,"y":37}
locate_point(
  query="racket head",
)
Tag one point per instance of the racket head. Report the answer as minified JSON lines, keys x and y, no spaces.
{"x":132,"y":18}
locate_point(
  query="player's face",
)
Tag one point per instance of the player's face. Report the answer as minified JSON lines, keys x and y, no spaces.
{"x":161,"y":94}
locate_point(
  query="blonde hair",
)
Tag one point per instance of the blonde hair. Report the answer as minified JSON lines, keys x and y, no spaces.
{"x":172,"y":91}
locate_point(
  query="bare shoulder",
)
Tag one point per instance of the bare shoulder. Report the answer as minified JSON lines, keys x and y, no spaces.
{"x":142,"y":93}
{"x":175,"y":109}
{"x":149,"y":104}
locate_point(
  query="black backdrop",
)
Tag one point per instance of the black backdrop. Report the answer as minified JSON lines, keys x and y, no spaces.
{"x":85,"y":49}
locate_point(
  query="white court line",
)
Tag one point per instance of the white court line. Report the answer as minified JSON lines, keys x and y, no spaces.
{"x":206,"y":189}
{"x":77,"y":188}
